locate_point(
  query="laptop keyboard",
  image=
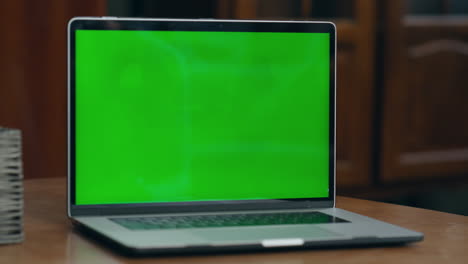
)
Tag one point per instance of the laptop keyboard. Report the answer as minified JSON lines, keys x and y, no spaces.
{"x":225,"y":220}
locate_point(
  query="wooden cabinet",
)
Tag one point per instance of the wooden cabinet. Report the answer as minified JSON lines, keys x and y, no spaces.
{"x":425,"y":96}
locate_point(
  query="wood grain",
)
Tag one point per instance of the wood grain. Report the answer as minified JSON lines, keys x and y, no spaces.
{"x":33,"y":77}
{"x":51,"y":239}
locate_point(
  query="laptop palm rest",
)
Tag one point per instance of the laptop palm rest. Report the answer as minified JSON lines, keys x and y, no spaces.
{"x":288,"y":234}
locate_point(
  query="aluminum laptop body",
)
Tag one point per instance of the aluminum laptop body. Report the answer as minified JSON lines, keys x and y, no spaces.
{"x":228,"y":125}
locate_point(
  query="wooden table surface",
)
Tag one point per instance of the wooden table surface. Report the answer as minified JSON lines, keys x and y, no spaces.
{"x":50,"y":237}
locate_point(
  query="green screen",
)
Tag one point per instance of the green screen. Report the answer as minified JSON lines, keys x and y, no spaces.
{"x":167,"y":116}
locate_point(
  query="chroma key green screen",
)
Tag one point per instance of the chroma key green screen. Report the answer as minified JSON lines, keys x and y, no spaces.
{"x":166,"y":116}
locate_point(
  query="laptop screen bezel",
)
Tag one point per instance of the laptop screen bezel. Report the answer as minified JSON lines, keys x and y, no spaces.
{"x":107,"y":23}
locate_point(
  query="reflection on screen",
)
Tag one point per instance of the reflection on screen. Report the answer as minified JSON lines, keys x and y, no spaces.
{"x":164,"y":116}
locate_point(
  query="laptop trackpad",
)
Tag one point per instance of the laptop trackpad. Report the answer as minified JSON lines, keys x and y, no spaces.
{"x":262,"y":233}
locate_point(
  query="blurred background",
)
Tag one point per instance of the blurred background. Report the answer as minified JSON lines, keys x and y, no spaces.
{"x":402,"y":132}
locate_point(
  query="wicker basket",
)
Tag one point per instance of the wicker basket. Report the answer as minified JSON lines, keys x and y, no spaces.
{"x":11,"y":186}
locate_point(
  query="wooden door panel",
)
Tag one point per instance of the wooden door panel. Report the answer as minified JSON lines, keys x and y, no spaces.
{"x":425,"y":131}
{"x":352,"y":131}
{"x":438,"y":93}
{"x":345,"y":60}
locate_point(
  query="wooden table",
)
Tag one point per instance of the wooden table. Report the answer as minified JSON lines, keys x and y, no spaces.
{"x":50,"y":237}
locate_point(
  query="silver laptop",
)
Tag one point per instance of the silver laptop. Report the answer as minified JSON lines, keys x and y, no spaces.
{"x":207,"y":135}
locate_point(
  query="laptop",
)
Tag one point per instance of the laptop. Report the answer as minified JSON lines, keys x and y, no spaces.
{"x":199,"y":135}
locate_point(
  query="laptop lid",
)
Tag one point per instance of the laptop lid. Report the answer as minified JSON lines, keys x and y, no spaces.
{"x":170,"y":115}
